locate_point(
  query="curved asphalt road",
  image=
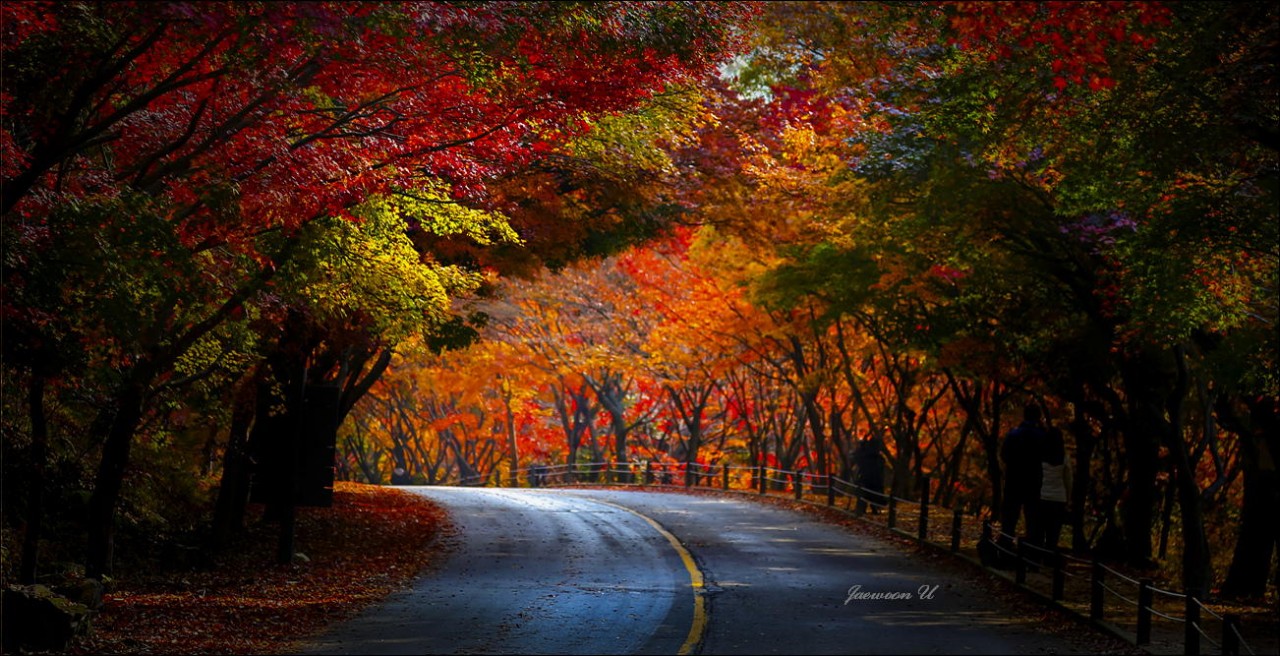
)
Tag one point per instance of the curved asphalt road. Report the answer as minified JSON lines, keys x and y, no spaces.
{"x":601,"y":572}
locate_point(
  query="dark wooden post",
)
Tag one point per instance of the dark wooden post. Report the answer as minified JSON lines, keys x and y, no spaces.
{"x":1230,"y":638}
{"x":724,"y":468}
{"x":922,"y":531}
{"x":957,"y":519}
{"x":1144,"y":612}
{"x":893,"y":511}
{"x":1020,"y":568}
{"x":1191,"y":625}
{"x":1096,"y":591}
{"x":831,"y":491}
{"x":1059,"y":576}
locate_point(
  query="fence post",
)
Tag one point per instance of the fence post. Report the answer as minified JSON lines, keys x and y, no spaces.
{"x":922,"y":531}
{"x":831,"y":491}
{"x":648,"y":472}
{"x":1230,"y":639}
{"x":1191,"y":627}
{"x":724,"y":469}
{"x":797,"y":484}
{"x":893,"y":511}
{"x":760,"y":476}
{"x":1144,"y":612}
{"x":1020,"y":568}
{"x":1059,"y":576}
{"x":1096,"y":590}
{"x":957,"y":519}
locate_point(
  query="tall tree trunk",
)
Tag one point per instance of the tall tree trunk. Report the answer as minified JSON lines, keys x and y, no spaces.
{"x":1256,"y":539}
{"x":510,"y":418}
{"x":691,"y":409}
{"x":233,"y":487}
{"x":1195,"y":545}
{"x":817,"y":429}
{"x":1081,"y":477}
{"x":1166,"y":516}
{"x":841,"y":439}
{"x":366,"y":459}
{"x":610,"y":394}
{"x":354,"y":384}
{"x":1142,"y":377}
{"x":970,"y":399}
{"x":1258,"y":536}
{"x":947,"y":487}
{"x":110,"y":478}
{"x":691,"y":455}
{"x":39,"y":466}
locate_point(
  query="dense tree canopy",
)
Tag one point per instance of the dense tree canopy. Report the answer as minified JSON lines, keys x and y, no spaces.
{"x":914,"y":218}
{"x":206,"y":192}
{"x":517,"y":234}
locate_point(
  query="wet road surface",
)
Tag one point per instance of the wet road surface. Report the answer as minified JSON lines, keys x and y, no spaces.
{"x":624,"y":571}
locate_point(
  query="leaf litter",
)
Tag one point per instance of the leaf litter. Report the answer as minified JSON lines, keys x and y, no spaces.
{"x":373,"y":540}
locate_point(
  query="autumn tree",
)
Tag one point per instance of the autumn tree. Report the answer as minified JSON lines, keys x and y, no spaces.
{"x":1001,"y":173}
{"x":201,"y":140}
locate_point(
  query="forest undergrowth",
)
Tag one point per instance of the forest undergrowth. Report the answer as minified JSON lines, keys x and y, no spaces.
{"x":372,"y":541}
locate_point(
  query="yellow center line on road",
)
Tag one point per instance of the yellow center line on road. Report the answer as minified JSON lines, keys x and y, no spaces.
{"x":699,"y":625}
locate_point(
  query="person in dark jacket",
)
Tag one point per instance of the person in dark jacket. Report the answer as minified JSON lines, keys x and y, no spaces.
{"x":1021,"y":455}
{"x":869,"y":462}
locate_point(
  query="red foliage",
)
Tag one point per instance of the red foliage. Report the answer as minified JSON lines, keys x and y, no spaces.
{"x":302,"y":109}
{"x":21,"y":20}
{"x":1076,"y":37}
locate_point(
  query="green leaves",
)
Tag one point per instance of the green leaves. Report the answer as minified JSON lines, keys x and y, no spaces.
{"x":368,"y":273}
{"x":843,"y":278}
{"x":431,"y":208}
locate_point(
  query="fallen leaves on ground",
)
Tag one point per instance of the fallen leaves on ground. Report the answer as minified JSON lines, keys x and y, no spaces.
{"x":372,"y":541}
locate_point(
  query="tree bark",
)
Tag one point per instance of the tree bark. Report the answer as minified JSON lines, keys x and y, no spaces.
{"x":970,"y":399}
{"x":233,"y":487}
{"x":110,"y":478}
{"x":1195,"y":545}
{"x":1141,"y":442}
{"x":1258,"y":537}
{"x":39,"y":466}
{"x":510,"y":428}
{"x":1081,"y":477}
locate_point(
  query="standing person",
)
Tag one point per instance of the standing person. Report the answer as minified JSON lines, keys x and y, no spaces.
{"x":1021,"y":455}
{"x":870,"y":465}
{"x":1055,"y":489}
